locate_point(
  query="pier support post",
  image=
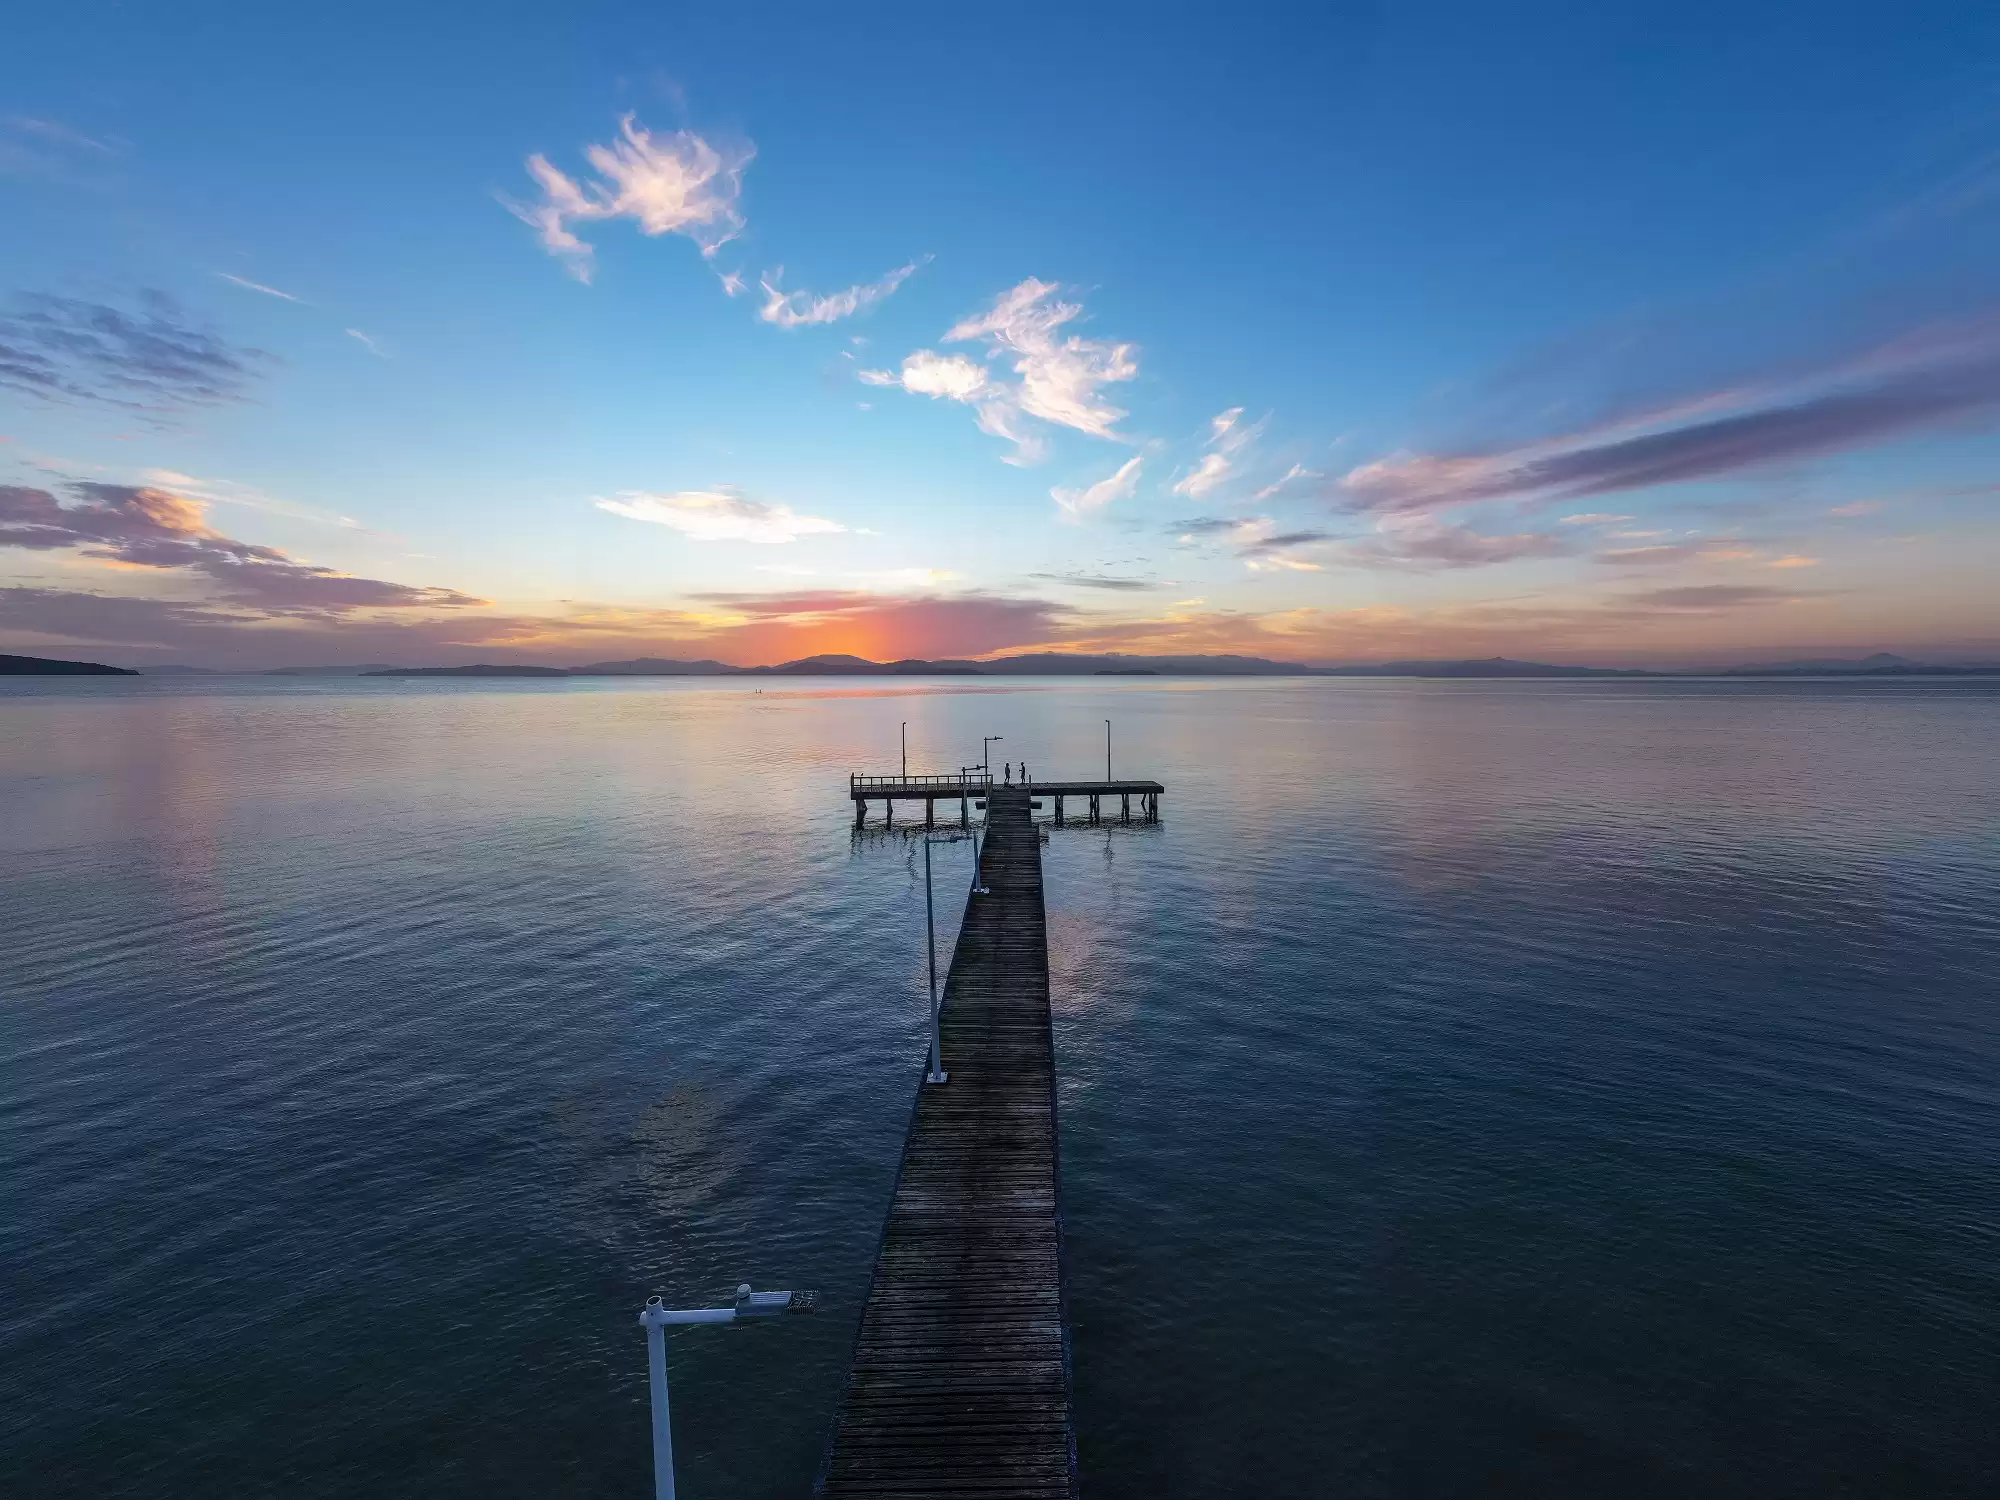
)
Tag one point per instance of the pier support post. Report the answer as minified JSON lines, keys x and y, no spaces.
{"x":860,"y":811}
{"x":1058,"y":809}
{"x":1095,"y":815}
{"x":888,"y":812}
{"x":964,"y":812}
{"x":930,"y":812}
{"x":1124,"y":807}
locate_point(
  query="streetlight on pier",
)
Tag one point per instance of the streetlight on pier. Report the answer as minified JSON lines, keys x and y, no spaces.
{"x":1107,"y":749}
{"x":936,"y":1073}
{"x":655,"y":1319}
{"x":977,"y":888}
{"x":986,"y":765}
{"x":906,"y":749}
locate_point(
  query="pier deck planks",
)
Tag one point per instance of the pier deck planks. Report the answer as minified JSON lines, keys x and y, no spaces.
{"x":960,"y":1381}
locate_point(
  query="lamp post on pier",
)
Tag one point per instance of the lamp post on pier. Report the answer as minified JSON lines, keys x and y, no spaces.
{"x":977,"y":888}
{"x":655,"y":1319}
{"x":936,"y":1073}
{"x":986,"y":765}
{"x":1107,"y":749}
{"x":906,"y":749}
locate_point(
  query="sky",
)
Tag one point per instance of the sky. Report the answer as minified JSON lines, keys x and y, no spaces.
{"x":1624,"y":335}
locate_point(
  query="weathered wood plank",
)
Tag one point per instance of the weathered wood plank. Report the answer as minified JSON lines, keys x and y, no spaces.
{"x":960,"y":1380}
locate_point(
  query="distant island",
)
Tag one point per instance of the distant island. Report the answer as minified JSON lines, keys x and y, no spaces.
{"x":366,"y":669}
{"x":44,"y":666}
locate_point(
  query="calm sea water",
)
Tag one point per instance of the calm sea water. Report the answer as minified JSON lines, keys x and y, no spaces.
{"x":1556,"y":1089}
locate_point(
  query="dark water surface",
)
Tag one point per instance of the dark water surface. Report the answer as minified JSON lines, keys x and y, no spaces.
{"x":1555,"y":1089}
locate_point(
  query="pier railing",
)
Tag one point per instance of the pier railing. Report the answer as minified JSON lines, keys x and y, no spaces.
{"x":946,"y":783}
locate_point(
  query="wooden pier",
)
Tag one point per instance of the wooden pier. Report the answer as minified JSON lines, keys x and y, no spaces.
{"x":970,"y":791}
{"x":960,"y":1381}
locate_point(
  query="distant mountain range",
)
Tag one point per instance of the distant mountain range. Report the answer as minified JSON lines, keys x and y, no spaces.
{"x":1035,"y":664}
{"x":1881,"y":664}
{"x":1045,"y":664}
{"x":1491,"y":666}
{"x":1058,"y":664}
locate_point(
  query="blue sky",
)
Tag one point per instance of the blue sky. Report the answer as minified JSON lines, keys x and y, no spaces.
{"x":1305,"y":331}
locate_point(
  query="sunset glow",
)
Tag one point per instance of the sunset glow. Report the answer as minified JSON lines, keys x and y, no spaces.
{"x":719,"y":364}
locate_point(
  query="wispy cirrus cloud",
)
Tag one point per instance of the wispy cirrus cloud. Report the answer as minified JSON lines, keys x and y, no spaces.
{"x":1108,"y":583}
{"x":803,"y":310}
{"x":1228,"y":436}
{"x":226,"y":492}
{"x":1209,"y":472}
{"x":1410,"y":544}
{"x":1906,"y":386}
{"x":1294,"y":473}
{"x":1060,"y":375}
{"x":1424,"y":544}
{"x":719,"y":515}
{"x":60,"y":134}
{"x":144,"y":526}
{"x":367,"y":341}
{"x":1076,"y":504}
{"x":154,"y":359}
{"x":258,"y":286}
{"x":33,"y":147}
{"x":666,"y":184}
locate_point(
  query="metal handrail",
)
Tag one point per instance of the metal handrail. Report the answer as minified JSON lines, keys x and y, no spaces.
{"x":952,"y":782}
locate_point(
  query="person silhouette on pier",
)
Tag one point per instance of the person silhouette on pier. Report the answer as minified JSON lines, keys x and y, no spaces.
{"x":1007,"y":772}
{"x":1024,"y":773}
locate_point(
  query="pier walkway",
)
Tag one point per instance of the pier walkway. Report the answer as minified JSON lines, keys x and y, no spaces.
{"x":960,"y":1381}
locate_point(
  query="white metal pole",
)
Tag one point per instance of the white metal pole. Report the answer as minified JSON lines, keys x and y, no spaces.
{"x":663,"y":1427}
{"x":906,"y":749}
{"x":937,"y":1073}
{"x":655,"y":1317}
{"x":1107,"y":749}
